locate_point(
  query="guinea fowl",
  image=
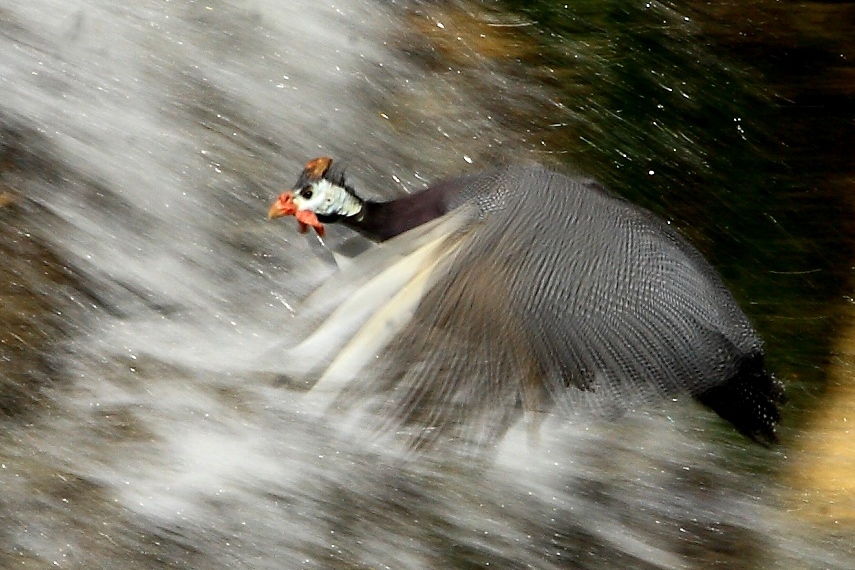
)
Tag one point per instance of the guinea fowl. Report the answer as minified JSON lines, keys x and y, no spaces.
{"x":521,"y":287}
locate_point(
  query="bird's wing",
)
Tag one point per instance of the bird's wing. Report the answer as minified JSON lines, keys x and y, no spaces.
{"x":355,"y":312}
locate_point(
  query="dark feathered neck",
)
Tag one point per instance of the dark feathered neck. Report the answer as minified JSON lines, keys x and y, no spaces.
{"x":380,"y":221}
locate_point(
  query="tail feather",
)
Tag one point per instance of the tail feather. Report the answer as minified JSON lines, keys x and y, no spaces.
{"x":748,"y":400}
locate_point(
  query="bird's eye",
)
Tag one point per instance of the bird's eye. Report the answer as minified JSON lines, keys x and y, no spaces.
{"x":307,"y":193}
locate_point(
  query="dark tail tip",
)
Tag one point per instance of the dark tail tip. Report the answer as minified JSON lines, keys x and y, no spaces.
{"x":749,"y":400}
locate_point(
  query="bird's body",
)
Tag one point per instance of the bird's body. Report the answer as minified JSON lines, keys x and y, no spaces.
{"x":548,"y":290}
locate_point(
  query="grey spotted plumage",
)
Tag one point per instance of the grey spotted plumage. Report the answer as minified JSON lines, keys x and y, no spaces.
{"x":547,"y":293}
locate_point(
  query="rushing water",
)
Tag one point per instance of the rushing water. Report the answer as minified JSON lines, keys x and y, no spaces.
{"x":145,"y":296}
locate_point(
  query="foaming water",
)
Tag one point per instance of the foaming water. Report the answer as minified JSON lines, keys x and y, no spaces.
{"x":148,"y":141}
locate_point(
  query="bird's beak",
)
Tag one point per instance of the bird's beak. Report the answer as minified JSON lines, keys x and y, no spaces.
{"x":283,"y":206}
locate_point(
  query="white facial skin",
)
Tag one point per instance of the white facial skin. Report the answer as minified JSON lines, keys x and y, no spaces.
{"x":325,"y":198}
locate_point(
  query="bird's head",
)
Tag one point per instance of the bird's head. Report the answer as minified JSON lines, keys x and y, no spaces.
{"x":320,"y":195}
